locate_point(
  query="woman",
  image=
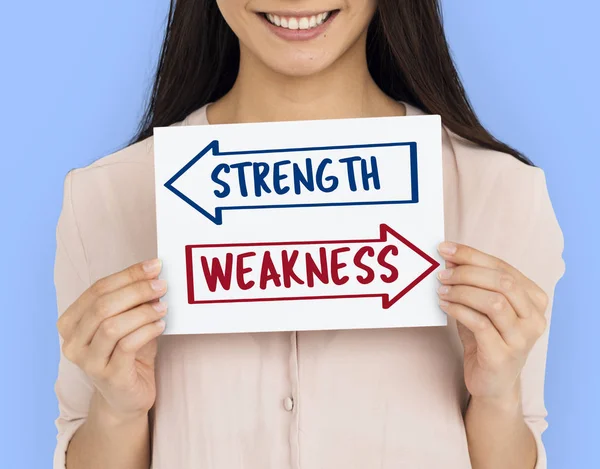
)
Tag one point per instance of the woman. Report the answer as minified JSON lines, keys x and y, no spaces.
{"x":466,"y":395}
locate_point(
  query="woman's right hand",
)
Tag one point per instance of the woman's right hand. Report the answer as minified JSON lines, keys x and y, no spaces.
{"x":110,"y":332}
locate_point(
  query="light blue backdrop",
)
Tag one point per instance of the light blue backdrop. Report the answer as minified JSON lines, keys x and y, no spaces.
{"x":74,"y":75}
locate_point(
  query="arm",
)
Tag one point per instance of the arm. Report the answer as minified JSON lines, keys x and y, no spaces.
{"x":105,"y":385}
{"x":503,"y":308}
{"x":498,"y":435}
{"x":108,"y":440}
{"x":517,"y":420}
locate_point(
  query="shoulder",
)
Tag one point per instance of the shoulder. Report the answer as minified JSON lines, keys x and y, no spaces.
{"x":111,"y":179}
{"x":125,"y":159}
{"x":492,"y":169}
{"x":496,"y":177}
{"x":134,"y":158}
{"x":506,"y":207}
{"x":107,"y":218}
{"x":480,"y":169}
{"x":121,"y":170}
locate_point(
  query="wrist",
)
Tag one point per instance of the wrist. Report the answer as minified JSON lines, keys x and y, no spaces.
{"x":508,"y":402}
{"x":110,"y":417}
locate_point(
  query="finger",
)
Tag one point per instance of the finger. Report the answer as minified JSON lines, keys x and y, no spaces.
{"x":487,"y":336}
{"x":116,"y":302}
{"x":113,"y":329}
{"x":462,"y":254}
{"x":124,"y":353}
{"x":134,"y":273}
{"x":491,"y":304}
{"x":492,"y":280}
{"x":69,"y":320}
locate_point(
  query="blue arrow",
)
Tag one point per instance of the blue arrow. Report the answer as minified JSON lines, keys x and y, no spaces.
{"x":213,"y":147}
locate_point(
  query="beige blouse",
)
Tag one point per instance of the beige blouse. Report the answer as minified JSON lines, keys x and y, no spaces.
{"x":361,"y":399}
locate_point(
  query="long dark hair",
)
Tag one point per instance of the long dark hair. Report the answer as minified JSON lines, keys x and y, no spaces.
{"x":407,"y":54}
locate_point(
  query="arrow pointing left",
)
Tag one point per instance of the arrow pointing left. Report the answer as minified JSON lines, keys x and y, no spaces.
{"x":369,"y":174}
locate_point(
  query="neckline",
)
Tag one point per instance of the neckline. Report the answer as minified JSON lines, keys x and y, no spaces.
{"x":199,"y":116}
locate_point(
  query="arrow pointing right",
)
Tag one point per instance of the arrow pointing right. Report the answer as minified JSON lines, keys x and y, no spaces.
{"x":387,"y":267}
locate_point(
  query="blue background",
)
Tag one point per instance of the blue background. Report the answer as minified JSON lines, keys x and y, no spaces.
{"x":74,"y":77}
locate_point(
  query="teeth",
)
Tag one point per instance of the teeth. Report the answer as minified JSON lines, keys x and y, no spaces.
{"x":305,"y":22}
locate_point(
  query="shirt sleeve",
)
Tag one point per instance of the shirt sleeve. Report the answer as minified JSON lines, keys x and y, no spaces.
{"x":73,"y":388}
{"x":542,"y":262}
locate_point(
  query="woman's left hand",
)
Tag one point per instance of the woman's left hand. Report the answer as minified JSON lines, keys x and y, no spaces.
{"x":499,"y":313}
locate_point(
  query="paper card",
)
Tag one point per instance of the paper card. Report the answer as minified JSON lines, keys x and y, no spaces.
{"x":303,"y":225}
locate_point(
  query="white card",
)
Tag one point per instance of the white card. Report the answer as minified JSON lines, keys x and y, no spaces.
{"x":303,"y":225}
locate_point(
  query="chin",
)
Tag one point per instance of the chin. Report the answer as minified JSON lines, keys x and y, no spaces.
{"x":298,"y":63}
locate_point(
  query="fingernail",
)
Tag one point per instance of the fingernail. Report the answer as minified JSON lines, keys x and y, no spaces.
{"x":443,"y":303}
{"x":158,"y":284}
{"x":443,"y":289}
{"x":445,"y":274}
{"x":447,"y":248}
{"x":151,"y":265}
{"x":161,"y":324}
{"x":160,"y":306}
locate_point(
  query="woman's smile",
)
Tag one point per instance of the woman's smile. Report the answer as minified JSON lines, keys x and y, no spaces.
{"x":298,"y":26}
{"x":299,"y":38}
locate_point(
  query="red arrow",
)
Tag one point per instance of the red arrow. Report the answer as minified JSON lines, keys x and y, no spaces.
{"x":387,"y":300}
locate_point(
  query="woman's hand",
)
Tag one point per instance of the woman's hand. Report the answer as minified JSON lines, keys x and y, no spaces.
{"x":499,"y":313}
{"x":110,"y":332}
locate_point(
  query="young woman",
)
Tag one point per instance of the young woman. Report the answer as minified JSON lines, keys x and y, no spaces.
{"x":466,"y":395}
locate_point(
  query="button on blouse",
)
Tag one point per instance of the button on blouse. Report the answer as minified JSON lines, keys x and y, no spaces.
{"x":288,"y":404}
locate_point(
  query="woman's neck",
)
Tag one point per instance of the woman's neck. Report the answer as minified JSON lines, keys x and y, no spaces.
{"x":343,"y":90}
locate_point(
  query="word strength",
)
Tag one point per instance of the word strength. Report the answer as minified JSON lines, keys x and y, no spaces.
{"x":324,"y":175}
{"x":215,"y":181}
{"x":387,"y":267}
